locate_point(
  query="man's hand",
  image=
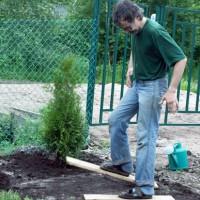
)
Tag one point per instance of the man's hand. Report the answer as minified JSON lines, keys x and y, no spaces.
{"x":128,"y":77}
{"x":171,"y":100}
{"x":170,"y":95}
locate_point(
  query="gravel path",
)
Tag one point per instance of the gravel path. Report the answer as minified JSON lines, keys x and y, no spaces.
{"x":33,"y":97}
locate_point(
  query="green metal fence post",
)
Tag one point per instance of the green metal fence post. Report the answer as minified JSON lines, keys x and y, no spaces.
{"x":92,"y":62}
{"x":114,"y":66}
{"x":161,"y":14}
{"x":198,"y":92}
{"x":190,"y":66}
{"x":106,"y":58}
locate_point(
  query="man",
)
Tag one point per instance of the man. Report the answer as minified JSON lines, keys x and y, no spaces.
{"x":153,"y":53}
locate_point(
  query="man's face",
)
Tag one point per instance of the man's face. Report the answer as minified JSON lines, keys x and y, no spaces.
{"x":133,"y":27}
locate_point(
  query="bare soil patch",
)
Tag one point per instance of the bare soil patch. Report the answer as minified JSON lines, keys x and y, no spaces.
{"x":39,"y":175}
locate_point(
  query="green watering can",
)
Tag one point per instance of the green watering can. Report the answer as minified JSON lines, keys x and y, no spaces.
{"x":178,"y":158}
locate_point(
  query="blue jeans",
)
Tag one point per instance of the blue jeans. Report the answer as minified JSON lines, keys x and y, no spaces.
{"x":143,"y":98}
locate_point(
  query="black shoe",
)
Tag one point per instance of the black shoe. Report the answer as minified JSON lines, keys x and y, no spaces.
{"x":108,"y":166}
{"x":135,"y":193}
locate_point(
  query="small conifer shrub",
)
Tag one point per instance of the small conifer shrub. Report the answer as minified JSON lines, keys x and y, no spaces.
{"x":63,"y":121}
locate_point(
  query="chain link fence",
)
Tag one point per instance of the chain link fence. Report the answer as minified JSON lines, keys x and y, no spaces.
{"x":30,"y":51}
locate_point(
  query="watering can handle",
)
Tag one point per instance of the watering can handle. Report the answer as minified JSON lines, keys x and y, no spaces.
{"x":175,"y":159}
{"x":176,"y":146}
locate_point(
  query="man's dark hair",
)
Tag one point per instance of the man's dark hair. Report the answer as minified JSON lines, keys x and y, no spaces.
{"x":126,"y":10}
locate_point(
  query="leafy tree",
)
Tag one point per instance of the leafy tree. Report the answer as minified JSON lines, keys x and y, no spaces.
{"x":22,"y":9}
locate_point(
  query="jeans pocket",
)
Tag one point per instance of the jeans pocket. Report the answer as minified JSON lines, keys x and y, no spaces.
{"x":163,"y":85}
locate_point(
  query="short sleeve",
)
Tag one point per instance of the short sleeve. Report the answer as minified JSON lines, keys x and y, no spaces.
{"x":168,"y":48}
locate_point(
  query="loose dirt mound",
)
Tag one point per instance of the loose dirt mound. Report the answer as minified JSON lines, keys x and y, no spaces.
{"x":40,"y":176}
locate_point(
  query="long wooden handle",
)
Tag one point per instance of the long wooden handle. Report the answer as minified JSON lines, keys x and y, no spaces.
{"x":96,"y":168}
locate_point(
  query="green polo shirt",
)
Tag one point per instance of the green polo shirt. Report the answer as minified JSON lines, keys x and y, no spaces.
{"x":154,"y":51}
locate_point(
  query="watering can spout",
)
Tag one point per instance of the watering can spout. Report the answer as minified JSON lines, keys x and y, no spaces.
{"x":178,"y":158}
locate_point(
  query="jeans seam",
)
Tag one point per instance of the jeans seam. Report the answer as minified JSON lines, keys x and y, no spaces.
{"x":149,"y":125}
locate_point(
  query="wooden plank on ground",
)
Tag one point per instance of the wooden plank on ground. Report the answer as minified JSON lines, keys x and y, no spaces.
{"x":115,"y":197}
{"x":96,"y":168}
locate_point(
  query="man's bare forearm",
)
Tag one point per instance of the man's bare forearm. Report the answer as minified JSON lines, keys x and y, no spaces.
{"x":177,"y":74}
{"x":129,"y":72}
{"x":130,"y":63}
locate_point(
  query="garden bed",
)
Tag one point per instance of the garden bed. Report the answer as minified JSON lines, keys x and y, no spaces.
{"x":39,"y":175}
